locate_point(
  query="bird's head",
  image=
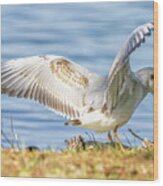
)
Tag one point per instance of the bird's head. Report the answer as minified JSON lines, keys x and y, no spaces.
{"x":146,"y":76}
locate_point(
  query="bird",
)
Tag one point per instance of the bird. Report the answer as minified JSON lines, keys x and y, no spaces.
{"x":86,"y":99}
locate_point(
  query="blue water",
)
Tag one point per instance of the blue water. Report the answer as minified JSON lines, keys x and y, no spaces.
{"x":88,"y":33}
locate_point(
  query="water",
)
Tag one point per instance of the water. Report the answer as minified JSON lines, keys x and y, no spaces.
{"x":88,"y":33}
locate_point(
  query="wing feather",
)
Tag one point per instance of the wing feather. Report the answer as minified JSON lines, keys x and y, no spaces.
{"x":120,"y":74}
{"x":53,"y":81}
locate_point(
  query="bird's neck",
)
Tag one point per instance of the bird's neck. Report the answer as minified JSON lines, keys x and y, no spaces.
{"x":142,"y":80}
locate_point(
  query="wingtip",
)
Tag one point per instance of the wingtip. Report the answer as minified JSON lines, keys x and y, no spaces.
{"x":151,"y":24}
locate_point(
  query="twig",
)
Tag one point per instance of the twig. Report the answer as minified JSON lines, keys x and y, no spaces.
{"x":89,"y":136}
{"x":128,"y":141}
{"x":6,"y":138}
{"x":15,"y":135}
{"x":93,"y":137}
{"x":4,"y":135}
{"x":12,"y":130}
{"x":135,"y":135}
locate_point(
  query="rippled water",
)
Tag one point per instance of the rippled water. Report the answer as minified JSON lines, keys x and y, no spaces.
{"x":88,"y":33}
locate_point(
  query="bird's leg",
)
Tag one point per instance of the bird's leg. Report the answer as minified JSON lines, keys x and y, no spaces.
{"x":110,"y":138}
{"x":118,"y":139}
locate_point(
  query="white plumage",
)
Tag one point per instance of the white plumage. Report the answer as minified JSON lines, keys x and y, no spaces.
{"x":98,"y":102}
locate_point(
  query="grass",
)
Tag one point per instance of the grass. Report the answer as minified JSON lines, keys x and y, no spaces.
{"x":95,"y":163}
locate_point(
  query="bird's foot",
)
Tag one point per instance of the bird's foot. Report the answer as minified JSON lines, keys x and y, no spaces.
{"x":74,"y":122}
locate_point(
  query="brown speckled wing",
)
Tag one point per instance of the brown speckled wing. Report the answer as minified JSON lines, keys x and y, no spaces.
{"x":53,"y":81}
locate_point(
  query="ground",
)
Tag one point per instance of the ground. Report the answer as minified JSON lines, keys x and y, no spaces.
{"x":95,"y":163}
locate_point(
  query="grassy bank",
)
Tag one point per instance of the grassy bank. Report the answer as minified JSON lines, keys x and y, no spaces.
{"x":106,"y":163}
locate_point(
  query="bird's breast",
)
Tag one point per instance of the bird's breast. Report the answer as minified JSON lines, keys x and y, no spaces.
{"x":98,"y":121}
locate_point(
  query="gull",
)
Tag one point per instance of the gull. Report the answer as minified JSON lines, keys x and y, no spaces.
{"x":88,"y":100}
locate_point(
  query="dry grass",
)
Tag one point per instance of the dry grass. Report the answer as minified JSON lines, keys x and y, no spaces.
{"x":106,"y":163}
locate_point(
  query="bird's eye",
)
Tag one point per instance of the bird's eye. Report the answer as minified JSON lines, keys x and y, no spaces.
{"x":152,"y":76}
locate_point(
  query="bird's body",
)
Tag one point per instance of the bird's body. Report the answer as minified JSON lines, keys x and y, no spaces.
{"x":102,"y":120}
{"x":101,"y":103}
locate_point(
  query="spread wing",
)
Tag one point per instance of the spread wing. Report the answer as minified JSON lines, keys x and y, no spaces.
{"x":53,"y":81}
{"x":121,"y":78}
